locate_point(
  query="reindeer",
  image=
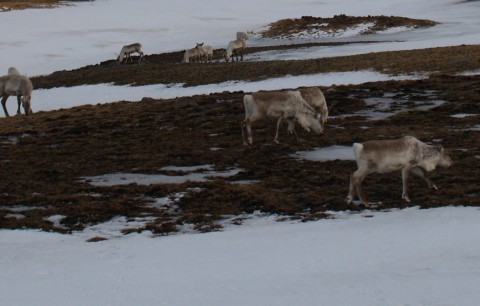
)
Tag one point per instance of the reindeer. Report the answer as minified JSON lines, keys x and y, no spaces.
{"x":287,"y":105}
{"x":16,"y":85}
{"x":191,"y":55}
{"x":235,"y":47}
{"x":407,"y":154}
{"x":205,"y":51}
{"x":127,"y":50}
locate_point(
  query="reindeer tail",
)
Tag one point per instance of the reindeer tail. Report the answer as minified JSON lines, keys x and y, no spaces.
{"x":357,"y":148}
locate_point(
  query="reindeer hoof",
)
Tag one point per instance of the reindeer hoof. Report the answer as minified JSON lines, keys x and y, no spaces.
{"x":406,"y":198}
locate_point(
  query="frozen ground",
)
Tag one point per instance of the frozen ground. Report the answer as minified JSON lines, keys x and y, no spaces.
{"x":408,"y":257}
{"x":52,"y":99}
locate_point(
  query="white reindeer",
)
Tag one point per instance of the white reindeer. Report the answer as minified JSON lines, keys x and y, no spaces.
{"x":244,"y":35}
{"x":191,"y":55}
{"x":16,"y":85}
{"x":316,"y":99}
{"x":206,"y":51}
{"x":127,"y":50}
{"x":13,"y":71}
{"x":234,"y":47}
{"x":287,"y":105}
{"x":407,"y":154}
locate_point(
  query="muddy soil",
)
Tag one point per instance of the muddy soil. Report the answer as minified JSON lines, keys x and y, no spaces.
{"x":287,"y":28}
{"x":45,"y":158}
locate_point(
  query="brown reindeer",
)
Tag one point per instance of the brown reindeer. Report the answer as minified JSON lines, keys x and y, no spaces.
{"x":127,"y":50}
{"x":407,"y":154}
{"x":287,"y":105}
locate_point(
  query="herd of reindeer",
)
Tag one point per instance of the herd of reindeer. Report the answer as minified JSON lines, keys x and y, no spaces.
{"x":306,"y":106}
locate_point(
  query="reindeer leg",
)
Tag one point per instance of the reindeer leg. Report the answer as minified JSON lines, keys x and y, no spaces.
{"x":279,"y":121}
{"x":248,"y":126}
{"x":351,"y":191}
{"x":4,"y":102}
{"x":243,"y":126}
{"x":291,"y":128}
{"x":405,"y":173}
{"x":19,"y":100}
{"x":422,"y":174}
{"x":357,"y":178}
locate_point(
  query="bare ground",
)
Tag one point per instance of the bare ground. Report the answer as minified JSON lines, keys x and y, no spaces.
{"x":44,"y":157}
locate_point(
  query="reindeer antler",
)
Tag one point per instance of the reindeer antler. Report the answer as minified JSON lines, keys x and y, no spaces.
{"x":331,"y":106}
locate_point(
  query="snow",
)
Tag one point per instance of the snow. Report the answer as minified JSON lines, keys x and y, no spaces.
{"x":54,"y":99}
{"x":115,"y":179}
{"x":42,"y":41}
{"x":399,"y":257}
{"x":327,"y":154}
{"x":462,"y":115}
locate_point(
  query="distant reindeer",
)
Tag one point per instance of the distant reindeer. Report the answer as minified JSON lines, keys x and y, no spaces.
{"x":13,"y":71}
{"x":234,"y":47}
{"x":16,"y":85}
{"x":192,"y":55}
{"x":206,"y":51}
{"x":127,"y":50}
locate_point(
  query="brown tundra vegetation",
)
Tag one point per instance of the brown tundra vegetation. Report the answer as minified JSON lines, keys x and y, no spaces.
{"x":46,"y":159}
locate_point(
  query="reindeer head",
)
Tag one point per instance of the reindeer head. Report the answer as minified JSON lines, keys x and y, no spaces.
{"x":225,"y":55}
{"x":199,"y":46}
{"x":310,"y":122}
{"x":444,"y":159}
{"x":26,"y":104}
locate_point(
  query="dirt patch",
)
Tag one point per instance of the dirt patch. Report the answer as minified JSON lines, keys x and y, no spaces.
{"x":7,"y":5}
{"x":308,"y":25}
{"x":168,"y":69}
{"x":44,"y":158}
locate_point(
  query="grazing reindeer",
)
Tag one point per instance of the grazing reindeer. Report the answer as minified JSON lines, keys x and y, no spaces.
{"x":16,"y":85}
{"x":191,"y":55}
{"x":407,"y":154}
{"x":316,"y":99}
{"x":127,"y":50}
{"x":282,"y":105}
{"x":235,"y":47}
{"x":206,"y":51}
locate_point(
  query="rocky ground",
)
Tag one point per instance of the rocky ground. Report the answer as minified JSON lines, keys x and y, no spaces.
{"x":44,"y":157}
